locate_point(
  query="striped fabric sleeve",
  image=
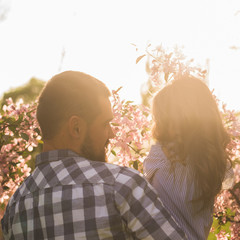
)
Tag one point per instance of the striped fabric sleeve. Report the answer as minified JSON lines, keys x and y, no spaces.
{"x":154,"y":161}
{"x":142,"y":210}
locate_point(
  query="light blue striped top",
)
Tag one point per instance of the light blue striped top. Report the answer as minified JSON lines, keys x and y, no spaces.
{"x":176,"y":189}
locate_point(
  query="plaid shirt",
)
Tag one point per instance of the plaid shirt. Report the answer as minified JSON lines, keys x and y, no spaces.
{"x":69,"y":197}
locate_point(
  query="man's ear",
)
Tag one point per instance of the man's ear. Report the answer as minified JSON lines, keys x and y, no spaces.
{"x":77,"y":127}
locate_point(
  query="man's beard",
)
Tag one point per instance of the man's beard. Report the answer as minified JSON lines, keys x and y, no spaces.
{"x":87,"y":151}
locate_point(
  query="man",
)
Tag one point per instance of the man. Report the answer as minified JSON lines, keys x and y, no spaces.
{"x":73,"y":193}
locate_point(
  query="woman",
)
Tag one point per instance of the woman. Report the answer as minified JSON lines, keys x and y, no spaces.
{"x":189,"y":161}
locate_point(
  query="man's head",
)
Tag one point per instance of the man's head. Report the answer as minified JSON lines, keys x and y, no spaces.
{"x":74,"y":113}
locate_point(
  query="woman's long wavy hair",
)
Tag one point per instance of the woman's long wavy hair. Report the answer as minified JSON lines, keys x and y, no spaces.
{"x":188,"y":123}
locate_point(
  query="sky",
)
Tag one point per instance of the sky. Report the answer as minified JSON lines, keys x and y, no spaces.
{"x":39,"y":38}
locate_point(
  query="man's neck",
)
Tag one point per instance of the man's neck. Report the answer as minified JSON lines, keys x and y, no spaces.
{"x":47,"y":146}
{"x":51,"y":145}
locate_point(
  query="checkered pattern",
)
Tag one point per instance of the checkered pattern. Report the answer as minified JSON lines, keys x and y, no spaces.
{"x":69,"y":197}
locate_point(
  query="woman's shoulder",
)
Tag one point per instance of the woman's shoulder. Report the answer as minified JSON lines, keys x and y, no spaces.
{"x":156,"y":155}
{"x":156,"y":159}
{"x":158,"y":162}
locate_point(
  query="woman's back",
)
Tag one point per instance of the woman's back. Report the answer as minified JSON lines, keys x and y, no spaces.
{"x":176,"y":190}
{"x":188,"y":166}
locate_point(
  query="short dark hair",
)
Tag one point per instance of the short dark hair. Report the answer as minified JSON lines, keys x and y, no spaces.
{"x":66,"y":94}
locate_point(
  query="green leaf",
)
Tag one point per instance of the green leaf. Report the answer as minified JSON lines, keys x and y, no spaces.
{"x":115,"y":124}
{"x":129,"y":102}
{"x":135,"y":164}
{"x":140,"y":57}
{"x":13,"y":163}
{"x":118,"y":90}
{"x":25,"y":154}
{"x":2,"y":206}
{"x":12,"y":128}
{"x":226,"y":227}
{"x":24,"y":136}
{"x":11,"y":120}
{"x":215,"y":223}
{"x":37,"y":130}
{"x":230,"y":213}
{"x":5,"y":188}
{"x":40,"y":141}
{"x":211,"y":236}
{"x":20,"y":119}
{"x":113,"y":152}
{"x":6,"y":139}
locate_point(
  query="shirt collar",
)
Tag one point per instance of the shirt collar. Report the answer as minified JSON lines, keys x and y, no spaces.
{"x":54,"y":155}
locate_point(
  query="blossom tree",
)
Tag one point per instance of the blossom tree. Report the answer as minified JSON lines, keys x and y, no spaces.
{"x":227,"y":205}
{"x":19,"y":136}
{"x":131,"y":126}
{"x":20,"y":139}
{"x":164,"y":65}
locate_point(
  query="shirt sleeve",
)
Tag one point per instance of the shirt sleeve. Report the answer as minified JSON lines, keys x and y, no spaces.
{"x":142,"y":210}
{"x":154,"y":161}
